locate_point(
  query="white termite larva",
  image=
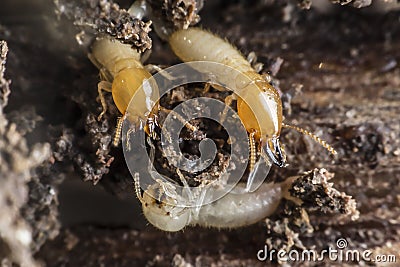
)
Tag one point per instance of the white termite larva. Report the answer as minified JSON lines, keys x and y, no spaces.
{"x":237,"y":208}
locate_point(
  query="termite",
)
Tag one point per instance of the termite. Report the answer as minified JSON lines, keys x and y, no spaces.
{"x":259,"y":105}
{"x":235,"y":209}
{"x":123,"y":75}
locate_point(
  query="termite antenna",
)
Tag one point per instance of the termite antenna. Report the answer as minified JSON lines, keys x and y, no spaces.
{"x":253,"y":153}
{"x":118,"y":131}
{"x":313,"y":136}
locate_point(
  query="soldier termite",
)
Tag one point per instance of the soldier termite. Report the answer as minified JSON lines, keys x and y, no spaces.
{"x":259,"y":105}
{"x":123,"y":75}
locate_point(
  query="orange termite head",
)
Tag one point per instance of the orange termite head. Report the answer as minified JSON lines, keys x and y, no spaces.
{"x":260,"y":109}
{"x":273,"y":116}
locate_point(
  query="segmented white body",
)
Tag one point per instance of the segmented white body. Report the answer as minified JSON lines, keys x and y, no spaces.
{"x":195,"y":44}
{"x":236,"y":209}
{"x":239,"y":208}
{"x":113,"y":55}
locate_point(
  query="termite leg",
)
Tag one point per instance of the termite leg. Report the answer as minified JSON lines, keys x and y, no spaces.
{"x":128,"y":138}
{"x":196,"y":199}
{"x":200,"y":196}
{"x":228,"y":102}
{"x":266,"y":77}
{"x":206,"y":88}
{"x":103,"y":86}
{"x":258,"y":67}
{"x":154,"y":68}
{"x":252,"y":57}
{"x":185,"y":184}
{"x":213,"y":85}
{"x":150,"y":126}
{"x":218,"y":87}
{"x":105,"y":75}
{"x":187,"y":124}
